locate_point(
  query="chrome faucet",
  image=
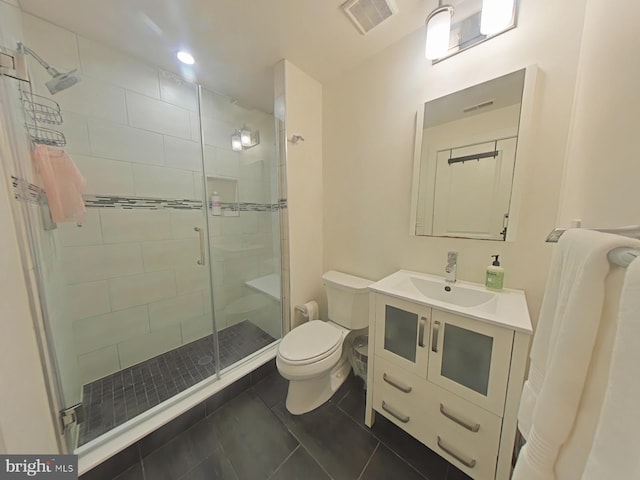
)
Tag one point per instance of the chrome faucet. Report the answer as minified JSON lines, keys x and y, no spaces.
{"x":452,"y":265}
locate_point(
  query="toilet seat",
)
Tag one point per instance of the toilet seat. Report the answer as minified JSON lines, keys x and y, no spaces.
{"x":310,"y":343}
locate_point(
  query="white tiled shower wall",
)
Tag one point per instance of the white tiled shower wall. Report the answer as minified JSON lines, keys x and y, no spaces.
{"x":125,"y":286}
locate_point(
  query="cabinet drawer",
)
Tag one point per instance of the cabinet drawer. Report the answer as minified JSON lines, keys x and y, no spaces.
{"x":463,"y":433}
{"x":398,"y":384}
{"x":401,"y":397}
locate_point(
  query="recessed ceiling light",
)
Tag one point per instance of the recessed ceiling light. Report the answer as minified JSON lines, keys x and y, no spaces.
{"x":185,"y":57}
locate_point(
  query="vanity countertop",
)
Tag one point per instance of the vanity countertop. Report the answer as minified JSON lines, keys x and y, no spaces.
{"x":506,"y":308}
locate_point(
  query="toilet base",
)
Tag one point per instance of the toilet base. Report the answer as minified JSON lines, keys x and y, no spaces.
{"x":306,"y":395}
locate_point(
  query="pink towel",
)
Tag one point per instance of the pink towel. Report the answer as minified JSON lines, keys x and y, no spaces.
{"x":63,"y":183}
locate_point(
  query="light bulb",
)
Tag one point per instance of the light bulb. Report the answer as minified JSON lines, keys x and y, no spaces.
{"x":245,"y":138}
{"x":438,"y":28}
{"x":496,"y":16}
{"x":185,"y":57}
{"x":236,"y":142}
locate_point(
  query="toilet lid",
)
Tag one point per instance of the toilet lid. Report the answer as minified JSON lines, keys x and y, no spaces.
{"x":310,"y":341}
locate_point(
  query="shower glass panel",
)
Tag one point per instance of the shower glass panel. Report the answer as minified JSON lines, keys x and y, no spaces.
{"x":155,"y":291}
{"x":134,"y":324}
{"x":126,"y":296}
{"x":244,"y":230}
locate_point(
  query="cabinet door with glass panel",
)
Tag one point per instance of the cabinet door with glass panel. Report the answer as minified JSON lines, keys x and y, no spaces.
{"x":470,"y":358}
{"x":402,"y":333}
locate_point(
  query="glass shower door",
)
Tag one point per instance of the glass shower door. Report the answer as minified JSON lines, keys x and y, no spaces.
{"x":143,"y":254}
{"x":126,"y":296}
{"x":129,"y":297}
{"x":241,"y":176}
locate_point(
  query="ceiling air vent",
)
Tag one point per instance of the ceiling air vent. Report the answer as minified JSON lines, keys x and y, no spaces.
{"x":367,"y":14}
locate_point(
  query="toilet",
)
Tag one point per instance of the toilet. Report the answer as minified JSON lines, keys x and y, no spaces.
{"x":311,"y":356}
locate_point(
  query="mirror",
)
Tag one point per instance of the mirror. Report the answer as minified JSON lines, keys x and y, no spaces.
{"x":465,"y":160}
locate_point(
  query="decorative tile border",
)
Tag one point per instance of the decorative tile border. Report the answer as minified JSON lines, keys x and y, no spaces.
{"x":135,"y":203}
{"x":28,"y":192}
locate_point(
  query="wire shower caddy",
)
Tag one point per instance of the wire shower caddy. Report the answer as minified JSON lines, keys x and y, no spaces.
{"x":42,"y":110}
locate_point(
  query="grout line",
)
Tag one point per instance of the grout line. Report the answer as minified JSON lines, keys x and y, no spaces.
{"x":380,"y":441}
{"x":144,"y":475}
{"x":407,"y":463}
{"x":285,"y":460}
{"x":369,"y":461}
{"x":446,"y":475}
{"x":315,"y":459}
{"x":292,"y":433}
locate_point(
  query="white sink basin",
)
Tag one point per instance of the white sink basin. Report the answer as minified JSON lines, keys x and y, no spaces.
{"x":454,"y":293}
{"x":506,"y":307}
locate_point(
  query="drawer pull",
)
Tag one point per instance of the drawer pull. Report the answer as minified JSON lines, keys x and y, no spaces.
{"x":423,"y":324}
{"x":434,"y":337}
{"x":395,"y":383}
{"x":469,"y":426}
{"x":393,"y":412}
{"x":467,"y":463}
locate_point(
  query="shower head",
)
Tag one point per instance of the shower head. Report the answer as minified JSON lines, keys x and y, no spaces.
{"x":60,"y":80}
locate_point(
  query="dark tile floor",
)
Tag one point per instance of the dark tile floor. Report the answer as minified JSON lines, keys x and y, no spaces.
{"x":112,"y":400}
{"x":253,"y":437}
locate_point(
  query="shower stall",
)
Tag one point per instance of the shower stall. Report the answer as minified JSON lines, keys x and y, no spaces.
{"x":172,"y":279}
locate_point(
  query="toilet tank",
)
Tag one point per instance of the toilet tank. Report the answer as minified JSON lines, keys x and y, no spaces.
{"x":348,"y":299}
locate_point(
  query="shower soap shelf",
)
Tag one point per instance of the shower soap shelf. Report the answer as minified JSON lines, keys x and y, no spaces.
{"x":39,"y":110}
{"x":42,"y":109}
{"x":46,"y":136}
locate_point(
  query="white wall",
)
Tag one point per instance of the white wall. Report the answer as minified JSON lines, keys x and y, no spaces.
{"x":369,"y":125}
{"x":26,"y":423}
{"x":602,"y":171}
{"x":303,"y":116}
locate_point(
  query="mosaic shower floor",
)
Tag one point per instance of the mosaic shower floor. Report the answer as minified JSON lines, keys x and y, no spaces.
{"x":112,"y":400}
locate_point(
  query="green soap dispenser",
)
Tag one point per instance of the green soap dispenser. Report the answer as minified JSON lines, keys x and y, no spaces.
{"x":495,"y":275}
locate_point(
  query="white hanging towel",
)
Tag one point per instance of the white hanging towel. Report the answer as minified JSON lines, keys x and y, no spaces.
{"x":615,"y":452}
{"x":562,"y":347}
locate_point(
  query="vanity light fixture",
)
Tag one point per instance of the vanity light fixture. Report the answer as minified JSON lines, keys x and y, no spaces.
{"x":496,"y":16}
{"x":236,"y":141}
{"x":475,"y":21}
{"x":438,"y":26}
{"x":249,"y":138}
{"x":244,"y":138}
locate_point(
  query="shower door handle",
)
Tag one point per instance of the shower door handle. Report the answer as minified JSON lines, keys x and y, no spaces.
{"x":201,"y":260}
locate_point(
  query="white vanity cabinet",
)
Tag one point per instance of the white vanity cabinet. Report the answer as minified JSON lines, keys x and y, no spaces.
{"x":450,"y":380}
{"x":404,"y":330}
{"x":470,"y":359}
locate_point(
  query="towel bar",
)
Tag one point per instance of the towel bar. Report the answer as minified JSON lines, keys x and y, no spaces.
{"x":632,"y":231}
{"x":621,"y":256}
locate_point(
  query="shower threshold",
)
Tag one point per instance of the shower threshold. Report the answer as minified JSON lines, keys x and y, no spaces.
{"x":113,"y":400}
